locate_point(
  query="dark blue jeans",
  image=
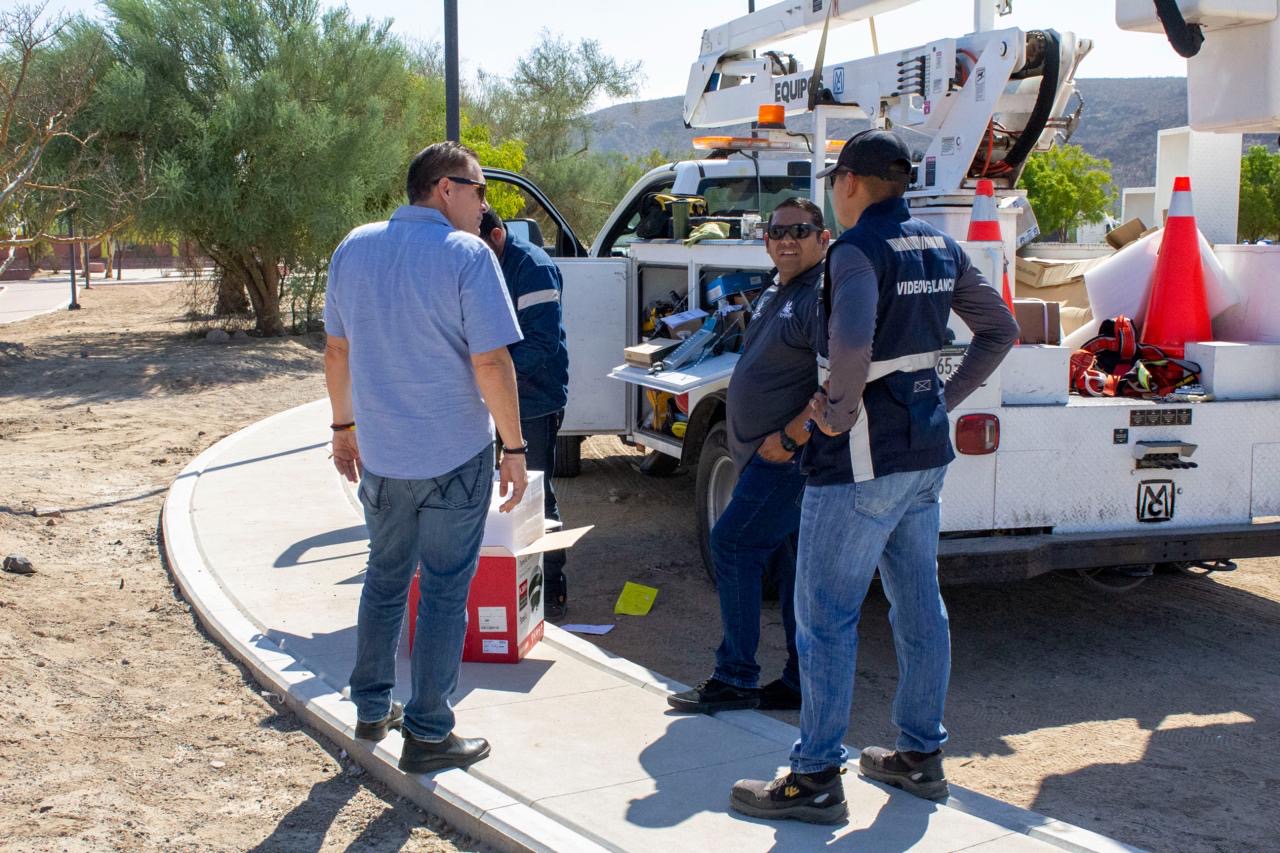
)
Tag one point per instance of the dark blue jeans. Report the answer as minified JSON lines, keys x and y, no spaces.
{"x":540,"y":433}
{"x":439,"y":524}
{"x":762,"y":515}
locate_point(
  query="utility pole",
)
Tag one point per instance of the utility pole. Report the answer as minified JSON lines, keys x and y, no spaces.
{"x":452,"y":120}
{"x":71,"y":235}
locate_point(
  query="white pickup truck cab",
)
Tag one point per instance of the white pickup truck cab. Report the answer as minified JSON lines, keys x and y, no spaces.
{"x":1043,"y":481}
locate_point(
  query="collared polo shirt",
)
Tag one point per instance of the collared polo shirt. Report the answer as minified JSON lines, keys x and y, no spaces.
{"x":416,"y":298}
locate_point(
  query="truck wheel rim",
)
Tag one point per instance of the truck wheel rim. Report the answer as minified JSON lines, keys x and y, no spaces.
{"x":720,"y":489}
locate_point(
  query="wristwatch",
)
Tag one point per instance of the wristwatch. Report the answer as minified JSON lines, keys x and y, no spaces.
{"x":787,"y":442}
{"x":516,"y":451}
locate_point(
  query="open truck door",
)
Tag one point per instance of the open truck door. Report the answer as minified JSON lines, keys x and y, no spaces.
{"x":594,"y":306}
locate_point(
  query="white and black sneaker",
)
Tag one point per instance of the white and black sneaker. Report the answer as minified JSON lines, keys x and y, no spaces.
{"x":810,"y":797}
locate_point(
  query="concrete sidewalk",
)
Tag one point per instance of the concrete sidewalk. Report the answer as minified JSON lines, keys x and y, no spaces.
{"x":21,"y":300}
{"x":268,"y":544}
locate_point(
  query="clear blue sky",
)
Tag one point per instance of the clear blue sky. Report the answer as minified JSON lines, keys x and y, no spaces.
{"x":663,"y":35}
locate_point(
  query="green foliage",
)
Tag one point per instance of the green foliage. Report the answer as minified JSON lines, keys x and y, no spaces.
{"x":1259,"y":194}
{"x":545,"y":106}
{"x":509,"y":155}
{"x":271,"y":129}
{"x":1067,"y":188}
{"x":546,"y":102}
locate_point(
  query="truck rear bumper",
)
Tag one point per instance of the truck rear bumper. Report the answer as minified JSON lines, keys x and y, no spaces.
{"x":991,"y":559}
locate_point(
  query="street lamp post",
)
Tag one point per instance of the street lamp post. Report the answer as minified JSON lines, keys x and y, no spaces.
{"x":71,"y":236}
{"x":451,"y":108}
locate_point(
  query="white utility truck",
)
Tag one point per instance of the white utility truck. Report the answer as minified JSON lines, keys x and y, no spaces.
{"x":1043,"y":480}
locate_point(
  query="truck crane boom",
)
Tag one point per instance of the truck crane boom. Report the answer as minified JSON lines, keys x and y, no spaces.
{"x":973,"y":107}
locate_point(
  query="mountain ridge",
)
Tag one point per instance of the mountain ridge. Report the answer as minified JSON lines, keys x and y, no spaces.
{"x":1119,"y":123}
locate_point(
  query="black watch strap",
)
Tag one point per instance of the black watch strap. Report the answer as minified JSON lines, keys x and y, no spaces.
{"x":788,"y":443}
{"x":516,"y":451}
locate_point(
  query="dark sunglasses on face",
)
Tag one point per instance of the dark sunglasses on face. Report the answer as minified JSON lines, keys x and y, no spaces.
{"x":796,"y":230}
{"x":831,"y":179}
{"x":479,"y":185}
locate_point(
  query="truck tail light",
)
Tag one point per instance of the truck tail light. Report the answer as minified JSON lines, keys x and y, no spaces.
{"x":977,"y":435}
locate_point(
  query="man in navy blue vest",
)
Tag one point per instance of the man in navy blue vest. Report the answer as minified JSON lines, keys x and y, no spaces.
{"x":541,"y":360}
{"x":876,"y":463}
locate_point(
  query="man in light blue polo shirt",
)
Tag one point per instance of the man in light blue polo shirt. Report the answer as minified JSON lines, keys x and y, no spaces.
{"x":418,"y":322}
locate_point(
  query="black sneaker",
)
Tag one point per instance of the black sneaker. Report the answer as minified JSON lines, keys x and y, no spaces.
{"x":810,"y":797}
{"x":714,"y":695}
{"x":777,"y":696}
{"x":918,"y":773}
{"x":378,"y":730}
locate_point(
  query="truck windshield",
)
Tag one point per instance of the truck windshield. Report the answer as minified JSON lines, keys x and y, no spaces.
{"x":741,"y":194}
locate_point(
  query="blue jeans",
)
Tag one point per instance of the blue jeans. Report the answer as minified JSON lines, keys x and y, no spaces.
{"x":845,"y":532}
{"x":540,"y":433}
{"x":762,"y":515}
{"x":439,"y":524}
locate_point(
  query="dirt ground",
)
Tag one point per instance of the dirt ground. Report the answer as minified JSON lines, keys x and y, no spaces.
{"x":1149,"y":716}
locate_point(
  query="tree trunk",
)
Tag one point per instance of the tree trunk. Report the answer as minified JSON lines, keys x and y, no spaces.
{"x":264,"y":293}
{"x":231,"y":297}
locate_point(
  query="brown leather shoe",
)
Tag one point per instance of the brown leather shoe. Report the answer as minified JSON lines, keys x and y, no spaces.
{"x":423,"y":756}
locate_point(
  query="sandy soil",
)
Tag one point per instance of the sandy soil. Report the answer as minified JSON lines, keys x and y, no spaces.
{"x":1149,"y":717}
{"x":122,"y":726}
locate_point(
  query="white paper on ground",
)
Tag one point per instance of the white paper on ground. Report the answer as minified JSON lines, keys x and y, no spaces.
{"x":588,"y":629}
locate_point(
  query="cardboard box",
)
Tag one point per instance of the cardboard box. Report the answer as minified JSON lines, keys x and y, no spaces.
{"x":1123,"y":235}
{"x":505,"y":603}
{"x":730,"y":284}
{"x":1039,"y":321}
{"x":650,"y":352}
{"x":681,"y":325}
{"x":1054,"y":281}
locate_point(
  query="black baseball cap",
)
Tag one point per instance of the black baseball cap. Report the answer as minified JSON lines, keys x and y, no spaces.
{"x":877,"y":153}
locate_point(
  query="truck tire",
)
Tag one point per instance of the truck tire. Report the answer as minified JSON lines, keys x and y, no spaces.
{"x":713,"y":488}
{"x":568,"y":456}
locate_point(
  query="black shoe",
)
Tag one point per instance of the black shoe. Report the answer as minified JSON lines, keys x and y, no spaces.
{"x":377,"y":731}
{"x":714,"y":695}
{"x":777,"y":696}
{"x":423,"y":756}
{"x":557,"y":604}
{"x":810,"y":797}
{"x":918,"y":773}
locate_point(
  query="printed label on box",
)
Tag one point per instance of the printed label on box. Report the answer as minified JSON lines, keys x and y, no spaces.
{"x":493,"y":619}
{"x":493,"y":647}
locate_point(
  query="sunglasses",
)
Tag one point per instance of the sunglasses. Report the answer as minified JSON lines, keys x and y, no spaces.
{"x":831,"y":179}
{"x":479,"y":185}
{"x":796,"y":231}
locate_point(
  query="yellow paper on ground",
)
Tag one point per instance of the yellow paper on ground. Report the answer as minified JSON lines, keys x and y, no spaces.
{"x":636,"y":599}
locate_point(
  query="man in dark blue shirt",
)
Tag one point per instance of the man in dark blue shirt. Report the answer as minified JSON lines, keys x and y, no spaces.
{"x":542,"y":370}
{"x":768,"y":405}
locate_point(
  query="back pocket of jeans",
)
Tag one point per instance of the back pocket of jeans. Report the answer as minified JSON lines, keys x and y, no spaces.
{"x":370,"y":492}
{"x":462,"y":488}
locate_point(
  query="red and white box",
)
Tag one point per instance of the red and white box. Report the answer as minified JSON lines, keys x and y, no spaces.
{"x":505,"y":606}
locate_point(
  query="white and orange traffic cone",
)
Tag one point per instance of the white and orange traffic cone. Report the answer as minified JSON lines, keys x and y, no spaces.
{"x":984,"y":226}
{"x":1177,"y":308}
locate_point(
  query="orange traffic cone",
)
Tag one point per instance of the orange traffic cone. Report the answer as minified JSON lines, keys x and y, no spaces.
{"x":1177,"y":309}
{"x":984,"y":226}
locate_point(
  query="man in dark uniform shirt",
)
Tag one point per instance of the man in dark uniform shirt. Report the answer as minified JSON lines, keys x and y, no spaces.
{"x":542,"y":371}
{"x":876,"y":465}
{"x":768,"y":406}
